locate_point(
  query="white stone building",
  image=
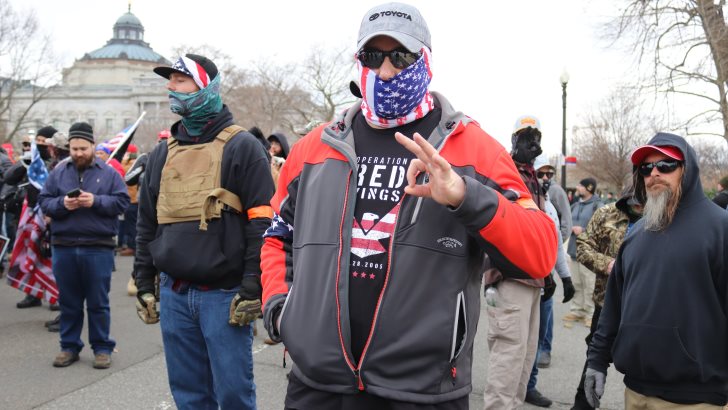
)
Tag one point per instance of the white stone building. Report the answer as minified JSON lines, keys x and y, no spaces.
{"x":108,"y":87}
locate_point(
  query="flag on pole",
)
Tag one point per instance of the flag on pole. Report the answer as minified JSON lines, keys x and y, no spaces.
{"x":121,"y":142}
{"x":30,"y":268}
{"x":37,"y":171}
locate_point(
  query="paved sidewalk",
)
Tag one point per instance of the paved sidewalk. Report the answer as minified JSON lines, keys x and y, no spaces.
{"x":138,"y":378}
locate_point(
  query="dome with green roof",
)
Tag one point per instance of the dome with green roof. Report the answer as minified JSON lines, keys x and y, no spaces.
{"x":127,"y":43}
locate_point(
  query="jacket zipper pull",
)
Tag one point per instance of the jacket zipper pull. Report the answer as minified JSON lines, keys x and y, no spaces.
{"x":453,"y":372}
{"x":358,"y":380}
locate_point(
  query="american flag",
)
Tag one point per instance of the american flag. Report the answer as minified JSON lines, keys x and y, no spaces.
{"x":120,"y":143}
{"x":279,"y":228}
{"x":401,"y":99}
{"x":366,"y":236}
{"x":37,"y":171}
{"x":29,"y":271}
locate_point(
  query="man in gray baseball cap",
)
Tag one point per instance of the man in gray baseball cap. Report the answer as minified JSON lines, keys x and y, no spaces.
{"x":399,"y":21}
{"x":388,"y":262}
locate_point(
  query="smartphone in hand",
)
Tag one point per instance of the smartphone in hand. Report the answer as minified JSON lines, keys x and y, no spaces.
{"x":74,"y":193}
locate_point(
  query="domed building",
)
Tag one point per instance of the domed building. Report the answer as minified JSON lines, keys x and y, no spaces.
{"x":109,"y":87}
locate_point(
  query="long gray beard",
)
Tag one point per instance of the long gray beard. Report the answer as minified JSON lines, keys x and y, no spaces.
{"x":654,"y":214}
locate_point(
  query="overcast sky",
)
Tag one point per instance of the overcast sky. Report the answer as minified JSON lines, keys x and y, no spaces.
{"x":494,"y":60}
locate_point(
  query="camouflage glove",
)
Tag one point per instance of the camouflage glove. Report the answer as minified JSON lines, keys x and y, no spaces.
{"x":146,"y":306}
{"x":246,"y":306}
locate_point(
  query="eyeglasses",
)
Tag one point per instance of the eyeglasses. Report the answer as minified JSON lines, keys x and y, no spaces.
{"x":399,"y":58}
{"x":26,"y":144}
{"x":665,"y":166}
{"x":549,"y":174}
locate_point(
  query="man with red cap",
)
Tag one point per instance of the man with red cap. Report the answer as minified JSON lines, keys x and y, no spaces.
{"x":663,"y":322}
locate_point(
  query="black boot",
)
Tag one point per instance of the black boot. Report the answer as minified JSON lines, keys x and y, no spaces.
{"x":54,"y":325}
{"x":537,"y":399}
{"x":54,"y":321}
{"x":28,"y":302}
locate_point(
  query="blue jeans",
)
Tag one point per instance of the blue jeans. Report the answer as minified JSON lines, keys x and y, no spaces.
{"x":545,"y":344}
{"x":83,"y":273}
{"x":209,"y":362}
{"x":547,"y":315}
{"x":127,"y":227}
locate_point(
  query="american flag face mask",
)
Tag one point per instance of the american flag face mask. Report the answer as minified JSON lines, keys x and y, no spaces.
{"x":400,"y":100}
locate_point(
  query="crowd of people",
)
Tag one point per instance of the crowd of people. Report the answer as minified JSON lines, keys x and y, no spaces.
{"x":368,"y":245}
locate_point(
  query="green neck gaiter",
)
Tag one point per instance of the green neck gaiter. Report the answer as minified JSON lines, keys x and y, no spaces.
{"x":197,"y":108}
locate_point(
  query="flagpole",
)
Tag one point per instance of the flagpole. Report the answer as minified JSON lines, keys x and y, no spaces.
{"x":122,"y":144}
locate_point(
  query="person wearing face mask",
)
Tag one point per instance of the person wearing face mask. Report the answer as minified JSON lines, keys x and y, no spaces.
{"x":514,"y":348}
{"x":17,"y":175}
{"x":203,"y":209}
{"x":385,"y":220}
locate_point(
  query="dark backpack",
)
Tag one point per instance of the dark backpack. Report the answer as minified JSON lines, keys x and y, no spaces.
{"x":13,"y":198}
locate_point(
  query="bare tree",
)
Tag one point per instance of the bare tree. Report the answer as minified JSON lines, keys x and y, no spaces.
{"x":326,"y":74}
{"x":283,"y":96}
{"x":27,"y":68}
{"x":685,"y":43}
{"x":712,"y":160}
{"x":609,"y":133}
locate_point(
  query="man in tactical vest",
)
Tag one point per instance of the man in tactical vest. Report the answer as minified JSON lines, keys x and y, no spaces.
{"x":203,"y":208}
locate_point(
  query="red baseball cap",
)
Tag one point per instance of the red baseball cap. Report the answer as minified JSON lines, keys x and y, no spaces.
{"x":642,"y":152}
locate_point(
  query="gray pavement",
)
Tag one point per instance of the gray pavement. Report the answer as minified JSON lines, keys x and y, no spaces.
{"x":138,"y":378}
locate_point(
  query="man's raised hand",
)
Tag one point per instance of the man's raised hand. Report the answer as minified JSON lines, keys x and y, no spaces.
{"x":441,"y":183}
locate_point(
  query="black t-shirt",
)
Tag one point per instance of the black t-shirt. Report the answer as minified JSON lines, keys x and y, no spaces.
{"x":381,"y":179}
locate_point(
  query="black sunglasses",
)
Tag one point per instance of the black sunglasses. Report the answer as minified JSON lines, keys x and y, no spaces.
{"x":665,"y":166}
{"x":399,"y":58}
{"x":550,"y":174}
{"x":26,"y":144}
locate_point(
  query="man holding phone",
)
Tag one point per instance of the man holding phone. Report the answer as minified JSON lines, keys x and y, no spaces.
{"x":84,"y":198}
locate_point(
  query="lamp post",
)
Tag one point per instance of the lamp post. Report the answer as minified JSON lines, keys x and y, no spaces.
{"x":564,"y":80}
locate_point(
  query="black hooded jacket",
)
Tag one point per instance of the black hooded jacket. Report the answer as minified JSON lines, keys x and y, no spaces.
{"x":277,"y":136}
{"x":665,"y":318}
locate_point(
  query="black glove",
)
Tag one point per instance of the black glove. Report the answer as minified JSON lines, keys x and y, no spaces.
{"x":246,"y":306}
{"x":569,"y":290}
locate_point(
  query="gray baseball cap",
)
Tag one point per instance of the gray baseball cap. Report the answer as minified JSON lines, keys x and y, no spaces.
{"x":400,"y":21}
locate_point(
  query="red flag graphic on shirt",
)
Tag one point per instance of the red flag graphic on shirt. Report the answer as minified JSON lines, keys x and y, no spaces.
{"x":366,"y":236}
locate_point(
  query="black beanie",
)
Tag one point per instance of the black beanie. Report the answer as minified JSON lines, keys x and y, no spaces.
{"x":46,"y":131}
{"x":81,"y":130}
{"x":589,"y":183}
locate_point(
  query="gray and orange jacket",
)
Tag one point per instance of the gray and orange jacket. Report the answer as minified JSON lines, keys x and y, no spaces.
{"x":421,"y":340}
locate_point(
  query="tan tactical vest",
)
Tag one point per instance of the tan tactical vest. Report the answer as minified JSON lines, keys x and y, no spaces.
{"x":190,"y":187}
